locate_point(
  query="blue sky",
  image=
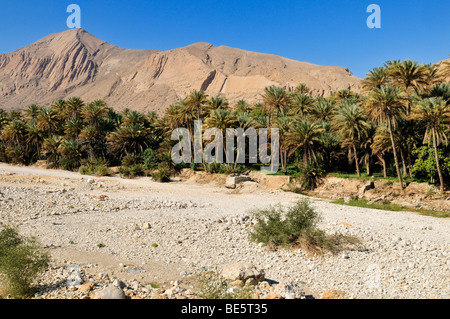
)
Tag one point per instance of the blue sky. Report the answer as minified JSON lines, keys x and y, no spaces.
{"x":325,"y":32}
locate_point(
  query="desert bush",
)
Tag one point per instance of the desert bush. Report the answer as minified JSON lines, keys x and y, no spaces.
{"x":132,"y":171}
{"x":21,"y":260}
{"x":132,"y":166}
{"x":131,"y":160}
{"x":99,"y":167}
{"x":213,"y":168}
{"x":277,"y":227}
{"x":163,"y":173}
{"x":296,"y":226}
{"x":214,"y":286}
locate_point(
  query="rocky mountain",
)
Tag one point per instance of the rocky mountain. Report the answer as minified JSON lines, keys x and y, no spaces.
{"x":76,"y":63}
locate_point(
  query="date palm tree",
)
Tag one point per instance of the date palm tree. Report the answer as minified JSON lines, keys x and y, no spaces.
{"x":275,"y":99}
{"x":50,"y":148}
{"x":375,"y":79}
{"x":302,"y":88}
{"x":128,"y":139}
{"x":217,"y":103}
{"x":283,"y":122}
{"x":221,"y":119}
{"x":73,"y":107}
{"x":434,"y":113}
{"x":385,"y":105}
{"x":407,"y":75}
{"x":32,"y":111}
{"x":196,"y":102}
{"x":381,"y":146}
{"x":301,"y":104}
{"x":322,"y":109}
{"x":13,"y":133}
{"x":242,"y":106}
{"x":48,"y":121}
{"x":94,"y":113}
{"x":33,"y":137}
{"x":70,"y":154}
{"x":304,"y":135}
{"x":351,"y":123}
{"x":73,"y":127}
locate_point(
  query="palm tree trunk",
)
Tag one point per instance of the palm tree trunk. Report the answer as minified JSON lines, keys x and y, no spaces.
{"x":368,"y":167}
{"x":409,"y":164}
{"x":356,"y":161}
{"x":384,"y":167}
{"x":438,"y":167}
{"x":405,"y":172}
{"x":394,"y":150}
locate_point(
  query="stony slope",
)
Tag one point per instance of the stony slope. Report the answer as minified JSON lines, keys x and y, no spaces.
{"x":75,"y":63}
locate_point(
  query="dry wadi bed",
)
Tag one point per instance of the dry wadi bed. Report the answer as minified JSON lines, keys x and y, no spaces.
{"x":138,"y":234}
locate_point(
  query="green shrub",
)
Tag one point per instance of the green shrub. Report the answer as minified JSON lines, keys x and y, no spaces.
{"x":296,"y":227}
{"x":103,"y":170}
{"x":99,"y":167}
{"x":215,"y":286}
{"x":163,"y":173}
{"x":213,"y":168}
{"x":131,"y":160}
{"x":150,"y":158}
{"x":21,"y":260}
{"x":132,"y":171}
{"x":275,"y":226}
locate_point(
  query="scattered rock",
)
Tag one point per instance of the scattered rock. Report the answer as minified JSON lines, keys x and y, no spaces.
{"x":110,"y":292}
{"x":242,"y":271}
{"x":333,"y":294}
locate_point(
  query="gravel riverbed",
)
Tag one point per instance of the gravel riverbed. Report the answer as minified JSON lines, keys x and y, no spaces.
{"x":142,"y":232}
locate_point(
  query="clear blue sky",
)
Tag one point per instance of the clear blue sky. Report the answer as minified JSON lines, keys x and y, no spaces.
{"x":325,"y":32}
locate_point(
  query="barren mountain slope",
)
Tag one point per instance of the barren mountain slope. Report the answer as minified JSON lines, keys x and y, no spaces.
{"x":75,"y":63}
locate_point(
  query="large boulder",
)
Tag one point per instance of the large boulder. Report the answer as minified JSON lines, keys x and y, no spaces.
{"x":232,"y":181}
{"x":242,"y":271}
{"x":110,"y":292}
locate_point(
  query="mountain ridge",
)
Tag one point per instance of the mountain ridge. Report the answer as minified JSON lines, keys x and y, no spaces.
{"x":76,"y":63}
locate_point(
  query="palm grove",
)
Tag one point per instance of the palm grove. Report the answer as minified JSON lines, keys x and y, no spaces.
{"x":398,"y":126}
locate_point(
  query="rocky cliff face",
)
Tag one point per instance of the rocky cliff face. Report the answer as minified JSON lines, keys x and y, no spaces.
{"x":75,"y":63}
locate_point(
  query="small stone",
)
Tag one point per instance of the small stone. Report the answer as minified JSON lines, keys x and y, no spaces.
{"x":237,"y":283}
{"x":146,"y":226}
{"x":333,"y":294}
{"x":273,"y":296}
{"x":119,"y":284}
{"x":251,"y":282}
{"x":86,"y":288}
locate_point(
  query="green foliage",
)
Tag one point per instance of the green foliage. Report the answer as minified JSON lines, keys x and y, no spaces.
{"x":215,"y":286}
{"x":21,"y":260}
{"x":275,"y":226}
{"x":150,"y":158}
{"x":163,"y":173}
{"x":132,"y":171}
{"x":425,"y":164}
{"x":97,"y":167}
{"x":132,"y":166}
{"x":311,"y":175}
{"x":297,"y":227}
